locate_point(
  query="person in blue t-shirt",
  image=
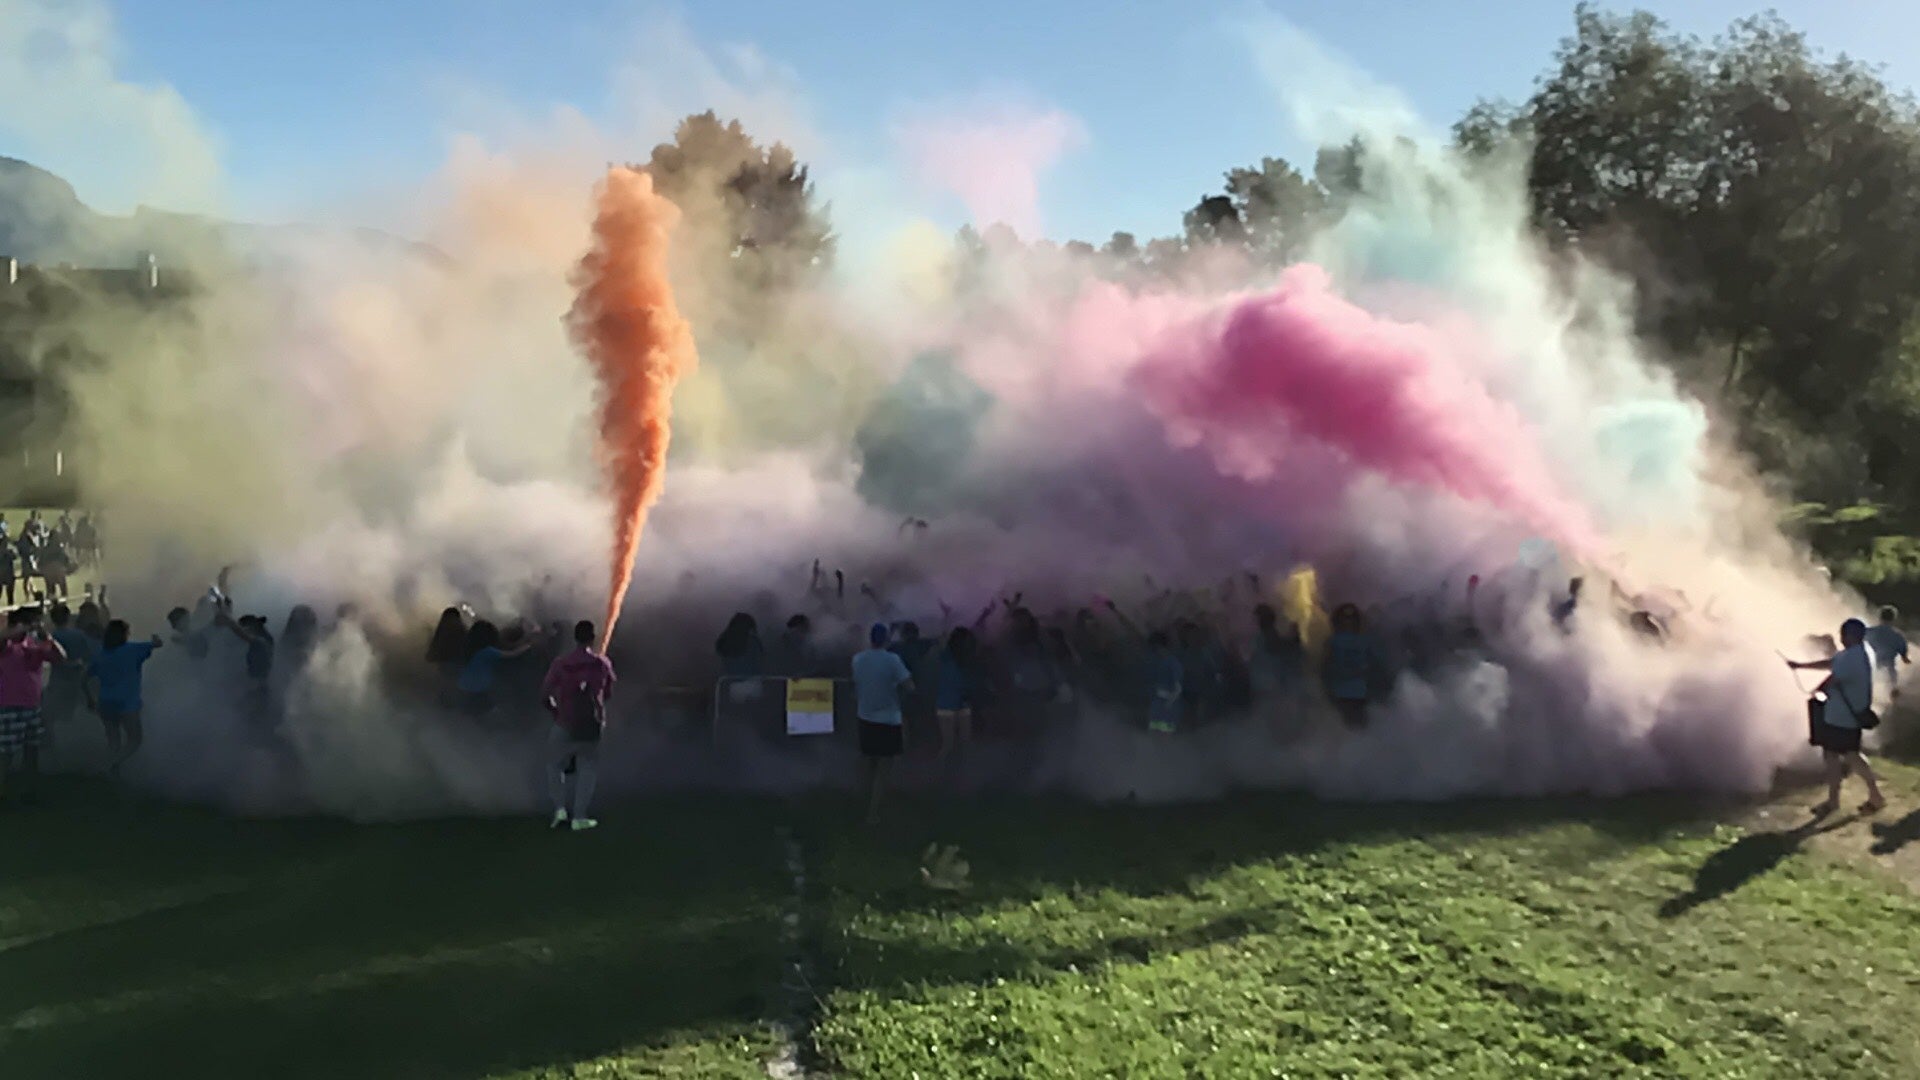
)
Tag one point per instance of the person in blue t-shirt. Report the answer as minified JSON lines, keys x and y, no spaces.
{"x":880,"y":678}
{"x":1889,"y":647}
{"x":484,"y":653}
{"x":113,"y":689}
{"x":1351,"y":667}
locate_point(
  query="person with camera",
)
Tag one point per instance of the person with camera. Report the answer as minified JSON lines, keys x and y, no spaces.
{"x":1837,"y":723}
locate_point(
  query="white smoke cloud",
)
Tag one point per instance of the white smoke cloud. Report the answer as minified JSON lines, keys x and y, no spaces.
{"x":65,"y":106}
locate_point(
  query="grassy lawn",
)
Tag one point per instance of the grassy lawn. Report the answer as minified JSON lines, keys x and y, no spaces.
{"x":1285,"y":938}
{"x":1261,"y":937}
{"x":140,"y":941}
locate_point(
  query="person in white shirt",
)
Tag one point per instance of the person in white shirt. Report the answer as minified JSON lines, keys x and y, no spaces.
{"x":1849,"y":694}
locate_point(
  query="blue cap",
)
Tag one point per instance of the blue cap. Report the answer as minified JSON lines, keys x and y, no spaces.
{"x":878,"y":635}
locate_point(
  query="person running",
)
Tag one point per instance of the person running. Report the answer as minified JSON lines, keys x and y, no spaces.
{"x":880,"y":677}
{"x":25,"y":651}
{"x":113,"y":689}
{"x":1889,"y":647}
{"x":575,"y":691}
{"x":1849,"y":697}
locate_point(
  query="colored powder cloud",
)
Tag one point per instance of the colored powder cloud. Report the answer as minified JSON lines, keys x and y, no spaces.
{"x":1300,"y":360}
{"x":991,"y":159}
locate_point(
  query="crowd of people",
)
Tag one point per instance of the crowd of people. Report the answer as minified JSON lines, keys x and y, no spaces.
{"x":57,"y":662}
{"x":51,"y":554}
{"x":1171,"y":660}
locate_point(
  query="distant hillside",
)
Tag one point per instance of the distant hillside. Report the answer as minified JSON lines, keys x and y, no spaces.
{"x":42,"y":220}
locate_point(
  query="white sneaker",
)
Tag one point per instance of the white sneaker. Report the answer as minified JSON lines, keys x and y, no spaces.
{"x":582,"y":824}
{"x":558,"y":821}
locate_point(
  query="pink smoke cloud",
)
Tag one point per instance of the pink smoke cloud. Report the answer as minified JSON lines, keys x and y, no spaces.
{"x":991,"y":159}
{"x":1394,"y":398}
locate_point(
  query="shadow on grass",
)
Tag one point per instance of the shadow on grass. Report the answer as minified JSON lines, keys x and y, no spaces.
{"x":144,"y":941}
{"x":1023,"y":850}
{"x":1751,"y":856}
{"x":1891,"y":836}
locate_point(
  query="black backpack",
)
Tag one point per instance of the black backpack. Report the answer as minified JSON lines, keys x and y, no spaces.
{"x":586,"y":714}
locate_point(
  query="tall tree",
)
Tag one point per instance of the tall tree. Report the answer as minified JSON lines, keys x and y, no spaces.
{"x":1770,"y":195}
{"x":754,"y":229}
{"x":1270,"y":210}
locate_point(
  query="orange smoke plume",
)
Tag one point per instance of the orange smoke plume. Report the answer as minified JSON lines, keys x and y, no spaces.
{"x":625,"y":320}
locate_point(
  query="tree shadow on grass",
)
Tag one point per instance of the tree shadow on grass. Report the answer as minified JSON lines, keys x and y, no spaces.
{"x":1751,"y":856}
{"x":440,"y":949}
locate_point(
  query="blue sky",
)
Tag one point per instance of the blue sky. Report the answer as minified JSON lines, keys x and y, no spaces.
{"x":313,"y":105}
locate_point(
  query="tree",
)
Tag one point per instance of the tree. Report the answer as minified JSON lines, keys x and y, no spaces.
{"x":1769,"y":195}
{"x":1270,"y":210}
{"x":1215,"y":220}
{"x":752,"y":228}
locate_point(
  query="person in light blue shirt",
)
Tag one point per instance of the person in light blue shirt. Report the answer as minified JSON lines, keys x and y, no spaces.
{"x":1849,"y":696}
{"x":1889,"y":647}
{"x":880,"y":677}
{"x":114,"y":688}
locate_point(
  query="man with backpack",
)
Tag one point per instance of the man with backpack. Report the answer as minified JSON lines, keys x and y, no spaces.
{"x":575,"y":692}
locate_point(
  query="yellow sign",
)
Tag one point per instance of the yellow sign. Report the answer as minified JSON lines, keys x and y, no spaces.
{"x":810,"y":706}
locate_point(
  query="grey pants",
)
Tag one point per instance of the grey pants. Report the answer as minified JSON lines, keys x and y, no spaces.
{"x":562,"y":750}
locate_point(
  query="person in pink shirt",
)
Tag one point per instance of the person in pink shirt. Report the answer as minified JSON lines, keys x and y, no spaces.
{"x":25,"y":652}
{"x":575,"y":692}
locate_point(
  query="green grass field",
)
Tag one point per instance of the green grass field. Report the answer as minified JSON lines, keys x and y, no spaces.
{"x":1261,"y":937}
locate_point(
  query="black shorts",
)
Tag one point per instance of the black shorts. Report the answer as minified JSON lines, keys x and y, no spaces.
{"x":1837,"y":740}
{"x":881,"y":740}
